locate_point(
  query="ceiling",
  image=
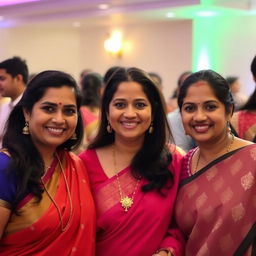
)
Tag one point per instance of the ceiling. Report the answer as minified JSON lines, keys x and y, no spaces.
{"x":92,"y":12}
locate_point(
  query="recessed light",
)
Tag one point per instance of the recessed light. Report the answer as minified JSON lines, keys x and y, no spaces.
{"x":206,"y":13}
{"x":103,"y":6}
{"x":170,"y":15}
{"x":76,"y":24}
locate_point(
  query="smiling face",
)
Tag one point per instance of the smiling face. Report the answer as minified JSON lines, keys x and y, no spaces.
{"x":204,"y":116}
{"x":130,"y":112}
{"x":53,"y":118}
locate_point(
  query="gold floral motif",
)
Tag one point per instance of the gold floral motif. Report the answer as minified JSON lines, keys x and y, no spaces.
{"x":211,"y":174}
{"x":253,"y":153}
{"x":247,"y":181}
{"x":235,"y":167}
{"x":192,"y":190}
{"x":238,"y":212}
{"x":218,"y":184}
{"x":201,"y":200}
{"x":226,"y":195}
{"x":226,"y":242}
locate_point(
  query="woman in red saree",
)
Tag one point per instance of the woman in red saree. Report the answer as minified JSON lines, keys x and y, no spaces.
{"x":133,"y":173}
{"x":216,"y":202}
{"x":46,"y":207}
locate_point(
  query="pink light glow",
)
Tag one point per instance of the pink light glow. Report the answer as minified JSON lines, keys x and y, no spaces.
{"x":13,"y":2}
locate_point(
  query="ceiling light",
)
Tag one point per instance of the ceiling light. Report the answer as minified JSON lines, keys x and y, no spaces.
{"x":103,"y":6}
{"x":170,"y":15}
{"x":206,"y":13}
{"x":12,"y":2}
{"x":76,"y":24}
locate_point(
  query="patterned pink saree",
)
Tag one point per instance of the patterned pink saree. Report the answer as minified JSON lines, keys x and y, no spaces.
{"x":216,"y":207}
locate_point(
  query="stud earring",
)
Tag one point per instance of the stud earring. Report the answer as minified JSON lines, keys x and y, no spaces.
{"x":74,"y":136}
{"x":151,"y":128}
{"x":109,"y":128}
{"x":25,"y":129}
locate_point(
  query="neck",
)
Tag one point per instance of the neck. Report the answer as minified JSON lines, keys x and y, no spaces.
{"x":212,"y":150}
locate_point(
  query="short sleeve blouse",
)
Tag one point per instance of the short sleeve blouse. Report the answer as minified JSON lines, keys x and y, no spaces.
{"x":7,"y":182}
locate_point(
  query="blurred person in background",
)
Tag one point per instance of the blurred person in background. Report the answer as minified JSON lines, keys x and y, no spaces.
{"x":235,"y":88}
{"x":91,"y":88}
{"x":13,"y":80}
{"x":244,"y":120}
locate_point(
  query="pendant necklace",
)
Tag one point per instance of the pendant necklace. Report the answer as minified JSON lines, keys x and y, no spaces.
{"x":125,"y":201}
{"x":63,"y":228}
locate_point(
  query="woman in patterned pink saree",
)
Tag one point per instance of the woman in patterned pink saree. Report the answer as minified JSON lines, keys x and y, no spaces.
{"x":46,"y":206}
{"x":216,"y":202}
{"x":133,"y":173}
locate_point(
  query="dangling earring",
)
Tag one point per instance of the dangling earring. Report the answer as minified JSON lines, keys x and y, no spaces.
{"x":229,"y":127}
{"x":109,"y":128}
{"x":25,"y":129}
{"x":151,"y":128}
{"x":74,"y":136}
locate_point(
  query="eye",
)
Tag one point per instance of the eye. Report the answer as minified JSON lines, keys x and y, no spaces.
{"x":48,"y":109}
{"x":140,"y":105}
{"x":119,"y":105}
{"x":69,"y":111}
{"x":210,"y":107}
{"x":188,"y":108}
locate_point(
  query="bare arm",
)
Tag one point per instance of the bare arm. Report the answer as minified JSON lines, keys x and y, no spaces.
{"x":4,"y":217}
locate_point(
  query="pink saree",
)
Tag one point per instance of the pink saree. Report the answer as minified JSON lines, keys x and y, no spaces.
{"x":145,"y":228}
{"x":37,"y":231}
{"x":216,"y":206}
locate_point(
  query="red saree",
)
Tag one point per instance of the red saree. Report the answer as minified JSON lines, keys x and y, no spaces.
{"x":216,"y":206}
{"x":145,"y":228}
{"x":37,"y":230}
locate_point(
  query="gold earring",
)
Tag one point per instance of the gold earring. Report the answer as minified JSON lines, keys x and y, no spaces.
{"x":228,"y":127}
{"x":74,"y":136}
{"x":109,"y":128}
{"x":151,"y":128}
{"x":25,"y":129}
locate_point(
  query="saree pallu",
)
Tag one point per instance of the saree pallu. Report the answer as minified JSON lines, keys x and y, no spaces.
{"x":145,"y":227}
{"x":216,"y":206}
{"x":246,"y":125}
{"x":37,"y":230}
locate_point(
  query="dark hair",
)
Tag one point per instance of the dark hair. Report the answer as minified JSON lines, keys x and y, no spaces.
{"x":90,"y":85}
{"x":253,"y":67}
{"x":218,"y":84}
{"x":152,"y":160}
{"x":25,"y":158}
{"x":16,"y":66}
{"x":182,"y":78}
{"x":156,"y":77}
{"x":231,"y":79}
{"x":109,"y":73}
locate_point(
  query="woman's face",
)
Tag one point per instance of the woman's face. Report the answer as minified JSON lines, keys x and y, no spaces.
{"x":130,"y":112}
{"x":53,"y":118}
{"x":203,"y":115}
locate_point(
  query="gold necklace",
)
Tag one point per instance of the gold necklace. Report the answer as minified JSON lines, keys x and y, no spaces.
{"x":227,"y":151}
{"x":63,"y":228}
{"x":125,"y":201}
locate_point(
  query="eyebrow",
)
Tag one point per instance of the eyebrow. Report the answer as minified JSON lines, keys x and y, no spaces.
{"x":55,"y":104}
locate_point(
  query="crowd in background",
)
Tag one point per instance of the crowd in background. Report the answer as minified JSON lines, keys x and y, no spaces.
{"x":106,"y":165}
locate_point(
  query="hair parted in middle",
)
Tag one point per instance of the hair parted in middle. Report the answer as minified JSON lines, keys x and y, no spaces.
{"x":153,"y":158}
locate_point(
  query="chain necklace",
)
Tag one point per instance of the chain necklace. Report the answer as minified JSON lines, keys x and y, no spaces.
{"x":62,"y":227}
{"x":227,"y":151}
{"x":125,"y":201}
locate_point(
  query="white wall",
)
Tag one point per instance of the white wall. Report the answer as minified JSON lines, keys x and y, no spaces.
{"x":163,"y":47}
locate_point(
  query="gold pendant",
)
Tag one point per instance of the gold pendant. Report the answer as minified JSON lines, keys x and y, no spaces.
{"x":126,"y":203}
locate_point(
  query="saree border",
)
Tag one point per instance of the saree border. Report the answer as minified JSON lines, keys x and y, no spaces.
{"x":205,"y":168}
{"x":248,"y":240}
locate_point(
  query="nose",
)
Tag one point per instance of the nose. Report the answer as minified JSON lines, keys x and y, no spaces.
{"x":58,"y":117}
{"x":200,"y":115}
{"x":130,"y":112}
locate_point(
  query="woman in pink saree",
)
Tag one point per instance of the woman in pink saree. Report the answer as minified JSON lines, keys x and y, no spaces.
{"x":134,"y":174}
{"x":46,"y":206}
{"x":216,"y":202}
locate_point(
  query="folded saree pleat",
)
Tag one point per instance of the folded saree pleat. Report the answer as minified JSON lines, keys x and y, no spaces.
{"x":41,"y":232}
{"x":216,"y":207}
